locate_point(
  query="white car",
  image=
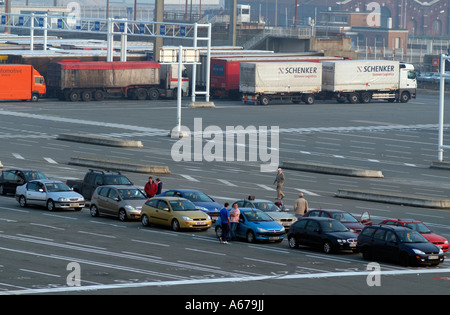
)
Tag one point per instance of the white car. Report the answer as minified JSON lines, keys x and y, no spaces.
{"x":52,"y":194}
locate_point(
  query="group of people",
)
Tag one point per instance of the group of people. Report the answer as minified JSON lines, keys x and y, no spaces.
{"x":152,"y":188}
{"x":229,"y":221}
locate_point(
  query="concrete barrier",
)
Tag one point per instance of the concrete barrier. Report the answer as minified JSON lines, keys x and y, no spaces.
{"x":119,"y":165}
{"x":201,"y":105}
{"x":394,"y":198}
{"x":440,"y":165}
{"x":99,"y":140}
{"x":330,"y":169}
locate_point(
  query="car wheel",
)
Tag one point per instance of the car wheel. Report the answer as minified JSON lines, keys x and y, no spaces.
{"x":175,"y":225}
{"x":251,"y":237}
{"x":94,"y":211}
{"x":144,"y":220}
{"x":22,"y":201}
{"x":122,"y":215}
{"x":219,"y":231}
{"x":292,"y":242}
{"x":366,"y":253}
{"x":50,"y":205}
{"x":327,"y":247}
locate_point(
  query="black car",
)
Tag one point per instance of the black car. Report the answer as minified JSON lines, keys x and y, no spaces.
{"x":10,"y":179}
{"x":399,"y":244}
{"x":325,"y":233}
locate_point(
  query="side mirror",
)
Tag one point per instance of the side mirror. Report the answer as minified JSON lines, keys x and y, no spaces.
{"x":166,"y":209}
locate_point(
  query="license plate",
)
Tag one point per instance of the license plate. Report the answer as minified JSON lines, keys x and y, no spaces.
{"x":200,"y":223}
{"x":433,"y":257}
{"x":274,"y":238}
{"x":352,"y":244}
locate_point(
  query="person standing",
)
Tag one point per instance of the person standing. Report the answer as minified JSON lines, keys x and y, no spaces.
{"x":225,"y":223}
{"x":150,"y":188}
{"x":234,"y":220}
{"x":300,"y":206}
{"x":159,"y":184}
{"x":279,"y":181}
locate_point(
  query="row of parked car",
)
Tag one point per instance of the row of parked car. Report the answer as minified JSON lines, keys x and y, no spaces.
{"x":111,"y":193}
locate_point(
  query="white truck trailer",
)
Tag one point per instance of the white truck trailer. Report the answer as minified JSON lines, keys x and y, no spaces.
{"x":262,"y":82}
{"x":364,"y":80}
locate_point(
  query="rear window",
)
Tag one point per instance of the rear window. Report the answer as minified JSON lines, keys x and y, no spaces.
{"x":116,"y":180}
{"x":368,"y":231}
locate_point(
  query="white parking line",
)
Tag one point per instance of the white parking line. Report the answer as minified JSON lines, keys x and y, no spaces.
{"x":50,"y":160}
{"x":18,"y":156}
{"x":190,"y":178}
{"x":265,"y":187}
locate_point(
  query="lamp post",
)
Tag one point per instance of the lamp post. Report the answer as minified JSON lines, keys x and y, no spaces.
{"x":295,"y":15}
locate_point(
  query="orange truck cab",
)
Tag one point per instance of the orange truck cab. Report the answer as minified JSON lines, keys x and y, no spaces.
{"x":21,"y":82}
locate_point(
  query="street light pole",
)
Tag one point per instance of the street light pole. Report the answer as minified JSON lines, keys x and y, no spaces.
{"x":295,"y":15}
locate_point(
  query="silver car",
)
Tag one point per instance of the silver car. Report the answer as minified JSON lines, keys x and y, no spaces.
{"x":52,"y":194}
{"x":281,"y":216}
{"x":122,"y":201}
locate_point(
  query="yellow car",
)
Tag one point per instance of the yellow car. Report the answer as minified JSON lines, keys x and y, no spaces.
{"x":178,"y":213}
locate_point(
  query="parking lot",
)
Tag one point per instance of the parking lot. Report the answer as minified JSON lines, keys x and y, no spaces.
{"x":40,"y":248}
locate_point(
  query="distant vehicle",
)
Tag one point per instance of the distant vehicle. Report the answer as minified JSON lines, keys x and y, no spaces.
{"x":174,"y":212}
{"x":198,"y":198}
{"x":399,"y":244}
{"x":122,"y":201}
{"x":95,"y":178}
{"x":283,"y":217}
{"x":95,"y":80}
{"x":21,"y":82}
{"x":429,"y":77}
{"x":255,"y":225}
{"x":420,"y":227}
{"x":10,"y":179}
{"x":52,"y":194}
{"x":328,"y":234}
{"x":343,"y":216}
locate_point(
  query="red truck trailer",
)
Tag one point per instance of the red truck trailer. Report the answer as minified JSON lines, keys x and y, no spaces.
{"x":21,"y":82}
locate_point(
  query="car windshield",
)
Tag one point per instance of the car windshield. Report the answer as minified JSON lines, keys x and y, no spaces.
{"x":344,"y":217}
{"x":197,"y":196}
{"x":53,"y":187}
{"x":117,"y":180}
{"x":31,"y":175}
{"x":256,"y":216}
{"x":411,"y":237}
{"x":332,"y":226}
{"x":132,"y":193}
{"x":418,"y":226}
{"x":182,"y":205}
{"x":266,"y":206}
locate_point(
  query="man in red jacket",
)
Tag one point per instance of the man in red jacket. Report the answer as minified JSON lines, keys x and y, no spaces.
{"x":150,"y":188}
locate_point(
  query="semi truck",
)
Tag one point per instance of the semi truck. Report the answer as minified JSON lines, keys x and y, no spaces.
{"x":225,"y":71}
{"x":364,"y":80}
{"x":294,"y":81}
{"x":344,"y":80}
{"x":21,"y":82}
{"x":139,"y":80}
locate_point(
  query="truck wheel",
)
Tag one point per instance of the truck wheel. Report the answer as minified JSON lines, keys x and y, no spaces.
{"x":366,"y":97}
{"x":74,"y":96}
{"x":34,"y":97}
{"x":309,"y":99}
{"x":353,"y":98}
{"x":141,"y":94}
{"x":264,"y":100}
{"x":404,"y":98}
{"x":99,"y":95}
{"x":86,"y":96}
{"x":153,"y":94}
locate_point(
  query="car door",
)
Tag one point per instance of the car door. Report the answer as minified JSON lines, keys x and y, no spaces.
{"x":378,"y":242}
{"x":12,"y":179}
{"x":163,"y":213}
{"x":102,"y":196}
{"x":36,"y":193}
{"x":312,"y":235}
{"x":112,"y":202}
{"x":242,"y":227}
{"x":390,"y":250}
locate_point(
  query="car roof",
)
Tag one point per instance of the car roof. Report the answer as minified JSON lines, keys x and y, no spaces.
{"x":317,"y":218}
{"x":119,"y":186}
{"x":46,"y":181}
{"x":389,"y":227}
{"x":328,"y":210}
{"x":403,"y":220}
{"x":184,"y":190}
{"x":169,"y":198}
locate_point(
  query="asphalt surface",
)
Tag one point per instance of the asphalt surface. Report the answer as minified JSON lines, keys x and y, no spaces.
{"x":38,"y":247}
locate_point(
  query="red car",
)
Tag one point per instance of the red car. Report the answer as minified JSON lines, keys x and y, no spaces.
{"x":422,"y":229}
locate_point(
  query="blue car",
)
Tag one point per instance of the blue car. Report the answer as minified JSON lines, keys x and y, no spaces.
{"x":255,"y":225}
{"x":198,"y":198}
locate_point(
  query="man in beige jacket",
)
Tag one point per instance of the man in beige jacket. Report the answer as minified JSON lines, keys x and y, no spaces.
{"x":300,"y":206}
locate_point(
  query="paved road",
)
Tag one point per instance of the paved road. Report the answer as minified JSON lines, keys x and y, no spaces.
{"x":126,"y":258}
